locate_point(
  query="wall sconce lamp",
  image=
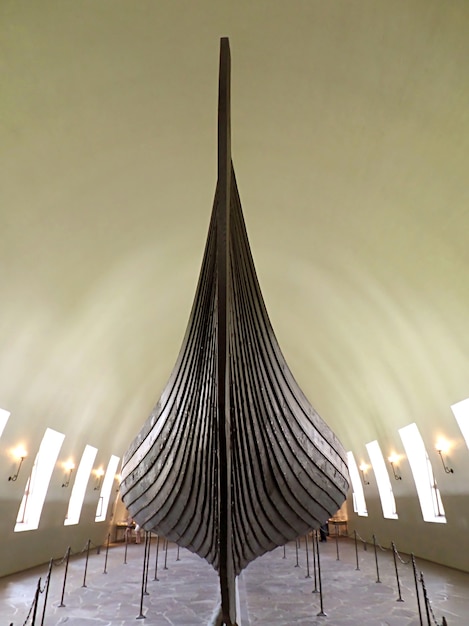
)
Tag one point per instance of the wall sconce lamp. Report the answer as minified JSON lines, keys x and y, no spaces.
{"x":363,"y":467}
{"x":99,"y":476}
{"x":442,"y":447}
{"x":69,"y":467}
{"x":393,"y":459}
{"x":20,"y":454}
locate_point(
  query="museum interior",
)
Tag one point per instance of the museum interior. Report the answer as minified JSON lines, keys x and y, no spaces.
{"x":350,"y":139}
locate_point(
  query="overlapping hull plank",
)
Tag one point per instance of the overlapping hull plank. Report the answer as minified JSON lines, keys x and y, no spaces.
{"x":233,"y":461}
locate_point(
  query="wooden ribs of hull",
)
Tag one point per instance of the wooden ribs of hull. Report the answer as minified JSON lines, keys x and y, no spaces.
{"x":231,"y":473}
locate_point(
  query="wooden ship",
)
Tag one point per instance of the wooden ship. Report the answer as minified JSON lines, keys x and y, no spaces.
{"x":233,"y":460}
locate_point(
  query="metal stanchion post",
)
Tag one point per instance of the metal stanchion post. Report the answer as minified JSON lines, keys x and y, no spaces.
{"x":399,"y":599}
{"x":376,"y":560}
{"x":46,"y":591}
{"x":321,"y":612}
{"x":107,"y":551}
{"x":315,"y":590}
{"x":177,"y":556}
{"x":166,"y":555}
{"x":156,"y":559}
{"x":284,"y":552}
{"x":148,"y":540}
{"x":141,"y":615}
{"x":416,"y":580}
{"x":426,"y":600}
{"x":126,"y":537}
{"x":86,"y":561}
{"x":337,"y":541}
{"x":67,"y":558}
{"x":307,"y":557}
{"x":296,"y":548}
{"x":356,"y":550}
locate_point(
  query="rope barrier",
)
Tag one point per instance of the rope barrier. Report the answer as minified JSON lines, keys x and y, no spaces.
{"x":33,"y":604}
{"x":43,"y":588}
{"x":381,"y":547}
{"x":403,"y":561}
{"x":396,"y":555}
{"x":428,"y":605}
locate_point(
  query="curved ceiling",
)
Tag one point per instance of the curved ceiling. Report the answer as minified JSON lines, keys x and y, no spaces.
{"x":351,"y":147}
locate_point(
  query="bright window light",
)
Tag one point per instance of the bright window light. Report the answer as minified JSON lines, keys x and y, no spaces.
{"x":4,"y":415}
{"x":108,"y":483}
{"x":79,"y":486}
{"x":388,"y":504}
{"x":34,"y":496}
{"x":461,"y":413}
{"x":359,"y":504}
{"x":427,"y":489}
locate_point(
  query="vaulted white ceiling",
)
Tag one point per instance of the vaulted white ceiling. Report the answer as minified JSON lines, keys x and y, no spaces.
{"x":351,"y":147}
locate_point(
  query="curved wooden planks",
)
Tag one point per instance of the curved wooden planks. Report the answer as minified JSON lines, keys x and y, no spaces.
{"x":233,"y":461}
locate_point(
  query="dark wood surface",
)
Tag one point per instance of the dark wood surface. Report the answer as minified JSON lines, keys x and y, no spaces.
{"x":233,"y":461}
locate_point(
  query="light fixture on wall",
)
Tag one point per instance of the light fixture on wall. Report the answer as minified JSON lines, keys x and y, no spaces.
{"x":69,"y":467}
{"x":393,"y":460}
{"x":99,"y":476}
{"x":442,"y":447}
{"x":20,"y":454}
{"x":363,"y":468}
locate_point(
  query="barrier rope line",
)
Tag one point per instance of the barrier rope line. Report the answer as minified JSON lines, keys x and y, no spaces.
{"x":381,"y":547}
{"x":428,"y":604}
{"x":46,"y":582}
{"x":359,"y":537}
{"x":33,"y":604}
{"x":58,"y":562}
{"x":403,"y":561}
{"x":53,"y":562}
{"x":40,"y":589}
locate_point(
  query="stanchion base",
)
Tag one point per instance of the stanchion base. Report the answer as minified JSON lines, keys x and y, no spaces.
{"x":322,"y":614}
{"x":145,"y":593}
{"x":83,"y":586}
{"x":61,"y":606}
{"x":307,"y":576}
{"x":141,"y":616}
{"x":378,"y":581}
{"x":399,"y":600}
{"x":315,"y":591}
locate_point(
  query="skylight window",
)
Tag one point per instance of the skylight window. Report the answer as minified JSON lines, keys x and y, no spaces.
{"x":461,"y":413}
{"x":427,"y":489}
{"x":386,"y":495}
{"x":79,"y":486}
{"x":37,"y":485}
{"x":106,"y":489}
{"x":4,"y":415}
{"x":359,"y":504}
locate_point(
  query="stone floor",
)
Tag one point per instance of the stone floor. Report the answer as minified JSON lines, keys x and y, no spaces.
{"x":279,"y":589}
